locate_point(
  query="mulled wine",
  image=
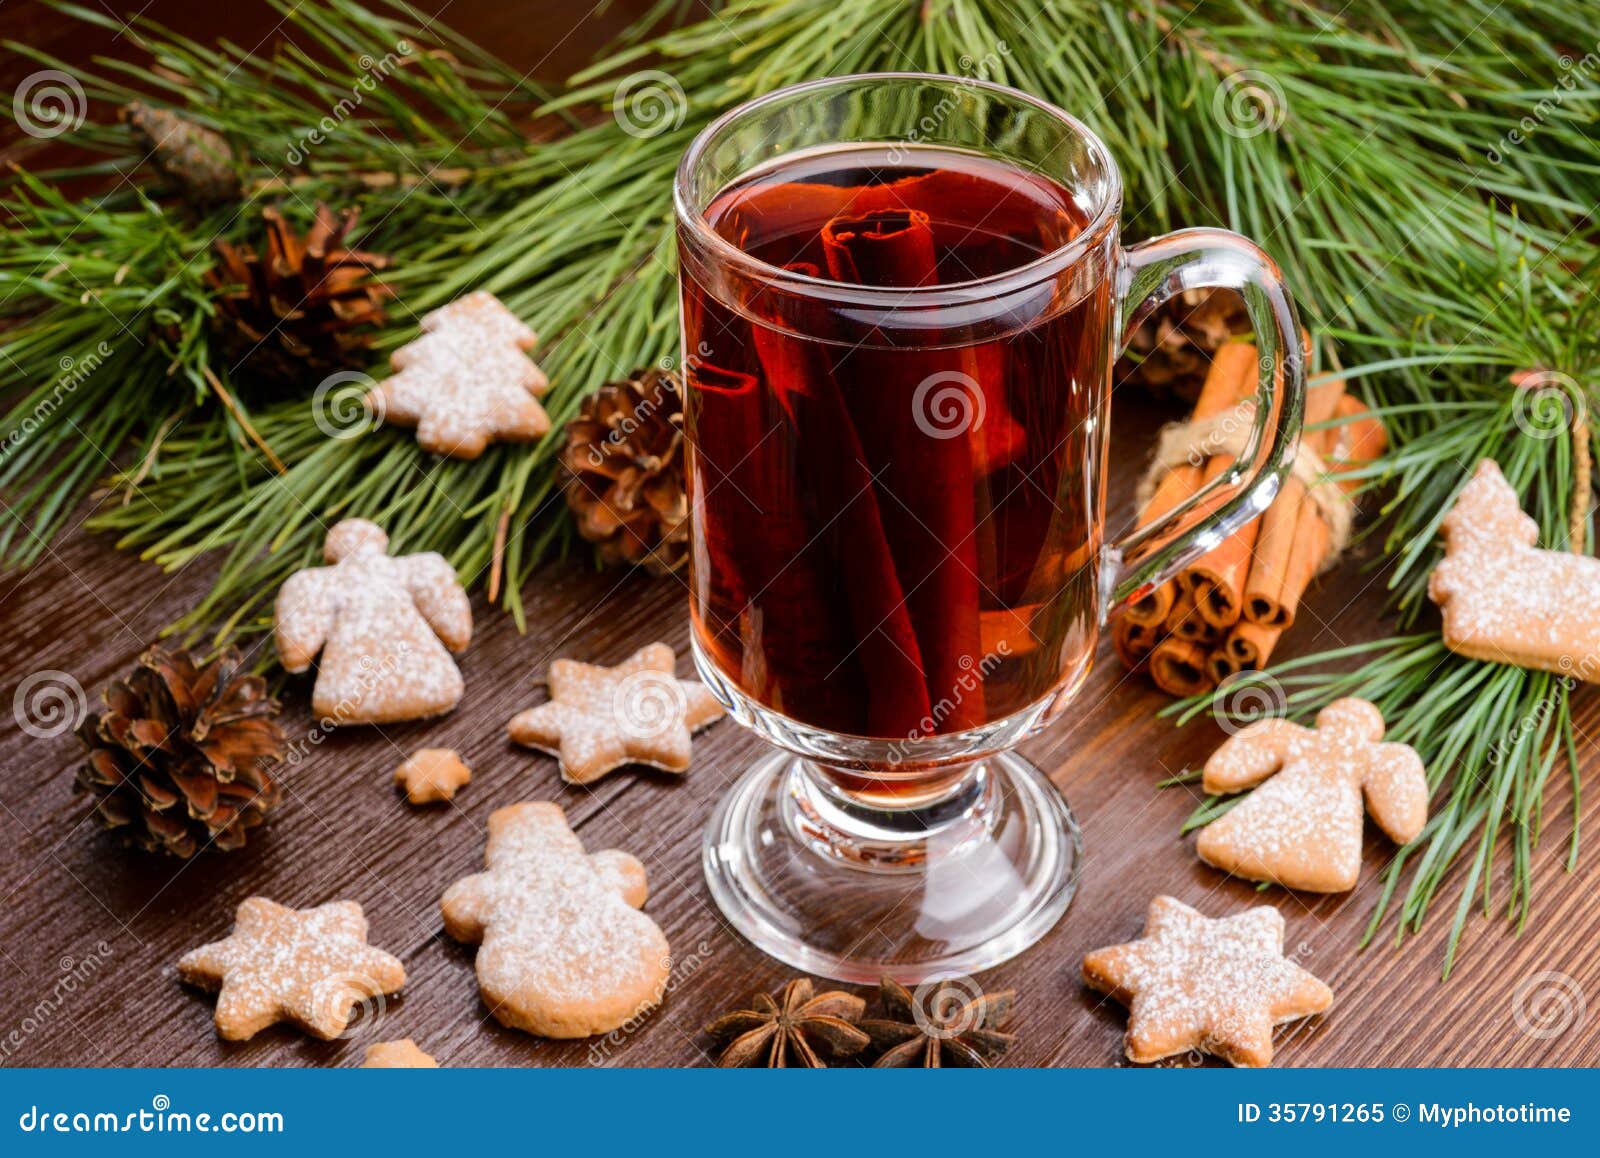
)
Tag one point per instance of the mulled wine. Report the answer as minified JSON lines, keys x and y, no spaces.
{"x":898,"y":496}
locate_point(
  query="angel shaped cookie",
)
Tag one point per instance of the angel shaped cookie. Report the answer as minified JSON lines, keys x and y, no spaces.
{"x":1504,"y":599}
{"x":467,"y":381}
{"x":564,"y":951}
{"x":1302,"y":827}
{"x":383,"y":625}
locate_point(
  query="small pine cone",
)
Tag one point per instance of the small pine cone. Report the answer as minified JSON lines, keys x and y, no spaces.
{"x":304,"y":307}
{"x":178,"y":760}
{"x":1171,"y":350}
{"x":625,"y":480}
{"x":195,"y":159}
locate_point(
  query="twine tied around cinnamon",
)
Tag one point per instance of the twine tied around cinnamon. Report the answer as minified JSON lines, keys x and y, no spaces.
{"x":1228,"y":433}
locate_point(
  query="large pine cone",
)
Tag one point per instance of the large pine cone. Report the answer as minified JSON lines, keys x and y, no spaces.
{"x":1170,"y":352}
{"x":625,"y":481}
{"x":303,"y":308}
{"x":179,"y":759}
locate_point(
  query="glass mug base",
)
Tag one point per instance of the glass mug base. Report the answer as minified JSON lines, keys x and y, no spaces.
{"x":833,"y":886}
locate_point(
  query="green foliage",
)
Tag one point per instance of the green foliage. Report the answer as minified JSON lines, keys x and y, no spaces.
{"x":1425,"y":174}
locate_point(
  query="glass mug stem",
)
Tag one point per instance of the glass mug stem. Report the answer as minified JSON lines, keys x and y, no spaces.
{"x":901,"y":298}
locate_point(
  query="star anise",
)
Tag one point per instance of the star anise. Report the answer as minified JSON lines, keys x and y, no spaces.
{"x":940,"y":1026}
{"x":791,"y":1028}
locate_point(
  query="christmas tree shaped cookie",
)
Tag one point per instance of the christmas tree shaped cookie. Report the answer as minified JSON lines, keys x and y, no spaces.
{"x":1504,"y":599}
{"x":382,"y":624}
{"x":467,"y":381}
{"x":1302,"y":828}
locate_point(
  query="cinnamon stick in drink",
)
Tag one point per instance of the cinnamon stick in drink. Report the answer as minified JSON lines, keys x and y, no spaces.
{"x":833,"y":467}
{"x":925,"y":480}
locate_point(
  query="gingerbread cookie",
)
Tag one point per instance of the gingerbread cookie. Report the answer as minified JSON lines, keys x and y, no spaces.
{"x":1507,"y":601}
{"x":311,"y":967}
{"x":1302,"y":827}
{"x":432,"y":775}
{"x":467,"y":381}
{"x":600,"y":718}
{"x":397,"y":1055}
{"x":1219,"y":986}
{"x":564,"y":950}
{"x":378,"y":621}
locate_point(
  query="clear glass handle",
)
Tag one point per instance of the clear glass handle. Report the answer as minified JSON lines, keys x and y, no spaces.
{"x":1149,"y":275}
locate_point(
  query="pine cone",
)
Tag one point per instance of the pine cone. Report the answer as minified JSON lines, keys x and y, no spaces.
{"x":1171,"y":350}
{"x":195,"y":159}
{"x":303,"y":309}
{"x":624,"y":460}
{"x":178,"y":759}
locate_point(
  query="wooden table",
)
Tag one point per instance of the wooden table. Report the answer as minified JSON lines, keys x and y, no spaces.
{"x":89,"y":935}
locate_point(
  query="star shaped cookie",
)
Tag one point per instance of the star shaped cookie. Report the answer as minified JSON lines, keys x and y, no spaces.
{"x":1219,"y":986}
{"x":404,"y":1054}
{"x":311,"y":967}
{"x":600,"y":718}
{"x":432,"y":775}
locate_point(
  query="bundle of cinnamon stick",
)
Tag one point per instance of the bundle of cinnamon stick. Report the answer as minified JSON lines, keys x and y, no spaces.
{"x":1226,"y":611}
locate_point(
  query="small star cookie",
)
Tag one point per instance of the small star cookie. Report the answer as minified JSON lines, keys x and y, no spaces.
{"x":432,"y":775}
{"x":311,"y":967}
{"x":600,"y":718}
{"x":563,"y":949}
{"x":397,"y":1055}
{"x":1218,"y":986}
{"x":1302,"y":828}
{"x":467,"y":381}
{"x":385,"y":627}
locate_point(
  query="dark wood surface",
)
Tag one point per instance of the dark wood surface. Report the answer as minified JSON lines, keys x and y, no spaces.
{"x":89,"y":935}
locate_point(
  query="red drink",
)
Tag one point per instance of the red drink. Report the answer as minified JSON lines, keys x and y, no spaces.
{"x":898,"y":507}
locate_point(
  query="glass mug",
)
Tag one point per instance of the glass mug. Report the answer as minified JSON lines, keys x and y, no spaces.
{"x":902,"y":295}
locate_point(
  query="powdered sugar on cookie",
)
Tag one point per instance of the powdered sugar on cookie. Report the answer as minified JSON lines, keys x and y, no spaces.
{"x":311,"y":967}
{"x":467,"y":381}
{"x":564,"y":950}
{"x":1192,"y":982}
{"x":1303,"y":827}
{"x":382,"y":625}
{"x":600,"y":718}
{"x":1507,"y":601}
